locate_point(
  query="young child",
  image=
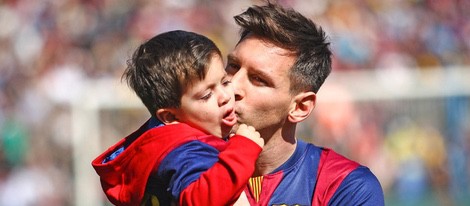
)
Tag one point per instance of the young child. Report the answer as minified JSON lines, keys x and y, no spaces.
{"x":179,"y":155}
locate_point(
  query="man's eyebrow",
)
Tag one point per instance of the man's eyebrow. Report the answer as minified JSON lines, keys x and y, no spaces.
{"x":231,"y":57}
{"x":263,"y":75}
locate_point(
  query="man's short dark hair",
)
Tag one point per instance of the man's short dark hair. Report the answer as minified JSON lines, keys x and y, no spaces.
{"x":291,"y":30}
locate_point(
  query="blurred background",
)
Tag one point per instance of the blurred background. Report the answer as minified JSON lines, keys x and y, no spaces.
{"x":398,"y":100}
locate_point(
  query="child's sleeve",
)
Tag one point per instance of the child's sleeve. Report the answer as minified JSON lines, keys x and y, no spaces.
{"x":198,"y":174}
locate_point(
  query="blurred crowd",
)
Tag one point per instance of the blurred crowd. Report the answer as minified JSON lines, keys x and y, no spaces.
{"x":49,"y":48}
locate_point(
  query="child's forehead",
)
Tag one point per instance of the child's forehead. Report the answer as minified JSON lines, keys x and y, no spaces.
{"x":190,"y":79}
{"x":213,"y":74}
{"x":202,"y":70}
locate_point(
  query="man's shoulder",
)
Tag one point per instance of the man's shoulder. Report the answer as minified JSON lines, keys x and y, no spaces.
{"x":349,"y":177}
{"x":362,"y":175}
{"x":360,"y":187}
{"x":334,"y":166}
{"x":327,"y":155}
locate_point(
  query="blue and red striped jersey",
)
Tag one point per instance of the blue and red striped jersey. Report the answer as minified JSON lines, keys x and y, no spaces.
{"x":176,"y":164}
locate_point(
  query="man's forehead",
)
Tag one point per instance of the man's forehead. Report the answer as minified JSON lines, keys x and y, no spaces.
{"x":274,"y":47}
{"x":259,"y":56}
{"x":256,"y":50}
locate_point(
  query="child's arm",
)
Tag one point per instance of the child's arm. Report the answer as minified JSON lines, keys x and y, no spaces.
{"x":223,"y":183}
{"x":226,"y":179}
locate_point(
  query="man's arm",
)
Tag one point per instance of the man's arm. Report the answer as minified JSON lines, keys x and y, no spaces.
{"x":360,"y":187}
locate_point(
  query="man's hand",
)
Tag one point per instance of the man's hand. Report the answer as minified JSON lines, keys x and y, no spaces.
{"x":250,"y":133}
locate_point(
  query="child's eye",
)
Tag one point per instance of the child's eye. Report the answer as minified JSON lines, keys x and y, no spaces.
{"x":226,"y":82}
{"x":207,"y":96}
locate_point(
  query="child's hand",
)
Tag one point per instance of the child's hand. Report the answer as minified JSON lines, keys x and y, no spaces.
{"x":250,"y":133}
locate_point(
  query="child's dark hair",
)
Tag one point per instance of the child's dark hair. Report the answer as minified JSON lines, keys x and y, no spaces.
{"x":162,"y":67}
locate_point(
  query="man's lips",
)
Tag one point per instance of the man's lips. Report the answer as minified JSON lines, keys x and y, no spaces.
{"x":230,"y":118}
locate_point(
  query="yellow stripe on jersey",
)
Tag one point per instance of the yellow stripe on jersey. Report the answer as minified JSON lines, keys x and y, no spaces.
{"x":150,"y":200}
{"x":255,"y":186}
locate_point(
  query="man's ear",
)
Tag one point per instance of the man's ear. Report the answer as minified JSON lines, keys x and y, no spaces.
{"x":167,"y":116}
{"x":303,"y":105}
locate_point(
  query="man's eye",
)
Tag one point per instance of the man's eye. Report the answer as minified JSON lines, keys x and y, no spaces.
{"x":258,"y":81}
{"x":232,"y":68}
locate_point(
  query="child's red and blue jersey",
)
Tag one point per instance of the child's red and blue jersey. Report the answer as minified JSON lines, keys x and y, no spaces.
{"x":316,"y":176}
{"x":176,"y":164}
{"x":191,"y":168}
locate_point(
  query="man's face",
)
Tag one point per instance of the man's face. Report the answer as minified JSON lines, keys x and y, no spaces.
{"x":209,"y":104}
{"x":259,"y":72}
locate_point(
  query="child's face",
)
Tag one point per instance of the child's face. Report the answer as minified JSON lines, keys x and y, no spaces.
{"x":209,"y":104}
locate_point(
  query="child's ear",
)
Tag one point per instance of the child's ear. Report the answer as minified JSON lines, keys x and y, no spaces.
{"x":167,"y":116}
{"x":303,"y":105}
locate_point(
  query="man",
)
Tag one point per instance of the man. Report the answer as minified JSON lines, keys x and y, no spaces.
{"x":277,"y":68}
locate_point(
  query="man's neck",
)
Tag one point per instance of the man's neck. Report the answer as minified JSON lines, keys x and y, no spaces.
{"x":277,"y":150}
